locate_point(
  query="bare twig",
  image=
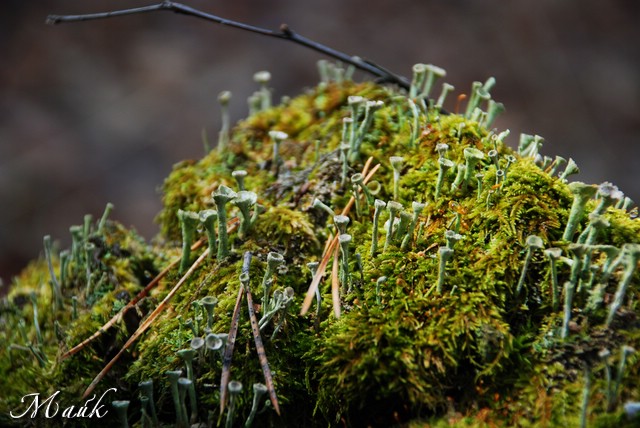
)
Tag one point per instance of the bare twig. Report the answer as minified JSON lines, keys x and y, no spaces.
{"x":284,"y":33}
{"x":367,"y":165}
{"x":335,"y":284}
{"x":228,"y":350}
{"x":231,"y":340}
{"x":255,"y":328}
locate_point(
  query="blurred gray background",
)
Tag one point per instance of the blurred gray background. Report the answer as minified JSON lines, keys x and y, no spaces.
{"x":100,"y":111}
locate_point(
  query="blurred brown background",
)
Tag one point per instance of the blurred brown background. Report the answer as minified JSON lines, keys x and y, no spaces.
{"x":98,"y":112}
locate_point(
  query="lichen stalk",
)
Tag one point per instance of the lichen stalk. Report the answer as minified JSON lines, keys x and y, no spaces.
{"x":224,"y":135}
{"x":625,"y":352}
{"x":451,"y":238}
{"x":344,"y":158}
{"x":472,"y":157}
{"x":259,"y":389}
{"x":393,"y":208}
{"x":146,"y":389}
{"x":208,"y":219}
{"x":103,"y":220}
{"x":419,"y":73}
{"x":570,"y":286}
{"x":433,"y":73}
{"x":415,"y":125}
{"x":379,"y":205}
{"x":36,"y":321}
{"x":479,"y":178}
{"x":209,"y":303}
{"x":173,"y":376}
{"x":379,"y":283}
{"x":446,"y":88}
{"x":571,"y":169}
{"x":317,"y":203}
{"x":121,"y":407}
{"x":55,"y":285}
{"x":462,"y":172}
{"x":554,"y":254}
{"x":611,"y":262}
{"x":493,"y":111}
{"x":235,"y":388}
{"x":443,"y":165}
{"x":533,"y":242}
{"x":245,"y":201}
{"x":263,"y":78}
{"x":273,"y":261}
{"x":184,"y":387}
{"x":403,"y":225}
{"x":556,"y":164}
{"x":221,"y":197}
{"x":581,"y":195}
{"x":417,"y":207}
{"x":631,"y":253}
{"x":444,"y":255}
{"x":76,"y":245}
{"x":345,"y":240}
{"x":608,"y":195}
{"x":370,"y":108}
{"x":277,"y":137}
{"x":188,"y":223}
{"x":396,"y":164}
{"x":358,"y":179}
{"x":145,"y":419}
{"x":477,"y":93}
{"x":240,"y":175}
{"x":188,"y":355}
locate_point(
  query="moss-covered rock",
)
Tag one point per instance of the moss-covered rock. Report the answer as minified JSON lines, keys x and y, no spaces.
{"x":450,"y":320}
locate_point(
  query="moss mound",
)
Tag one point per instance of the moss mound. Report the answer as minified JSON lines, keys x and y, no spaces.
{"x":470,"y":286}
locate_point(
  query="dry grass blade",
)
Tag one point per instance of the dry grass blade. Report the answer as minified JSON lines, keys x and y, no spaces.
{"x":335,"y":285}
{"x":145,"y":325}
{"x":327,"y":244}
{"x":228,"y":351}
{"x":369,"y":176}
{"x":306,"y":304}
{"x":262,"y":355}
{"x":117,"y":317}
{"x":331,"y":245}
{"x":367,"y":164}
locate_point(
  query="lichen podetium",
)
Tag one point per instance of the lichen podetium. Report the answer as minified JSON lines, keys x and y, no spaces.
{"x":470,"y":325}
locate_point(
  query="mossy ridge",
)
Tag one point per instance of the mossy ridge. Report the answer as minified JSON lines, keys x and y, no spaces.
{"x":411,"y":364}
{"x":418,"y":354}
{"x":189,"y":185}
{"x":157,"y":350}
{"x":355,"y":366}
{"x":116,"y":263}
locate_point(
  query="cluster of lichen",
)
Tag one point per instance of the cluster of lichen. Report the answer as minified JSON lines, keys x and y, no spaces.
{"x":464,"y":297}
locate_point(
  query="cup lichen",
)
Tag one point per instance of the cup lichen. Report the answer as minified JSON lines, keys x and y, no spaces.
{"x":427,"y":335}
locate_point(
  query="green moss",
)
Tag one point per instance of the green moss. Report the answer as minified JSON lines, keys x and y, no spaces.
{"x":477,"y":354}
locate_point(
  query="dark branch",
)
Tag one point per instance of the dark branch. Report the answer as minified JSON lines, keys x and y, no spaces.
{"x":285,"y":33}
